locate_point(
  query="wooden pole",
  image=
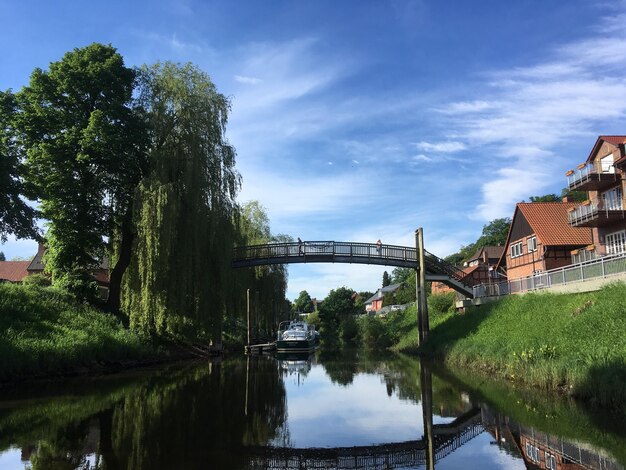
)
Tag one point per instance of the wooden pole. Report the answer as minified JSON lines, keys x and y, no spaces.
{"x":422,"y":300}
{"x":426,"y":385}
{"x":248,"y":313}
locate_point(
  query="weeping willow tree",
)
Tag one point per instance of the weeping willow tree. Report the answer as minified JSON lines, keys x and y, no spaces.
{"x":177,"y":279}
{"x":267,"y":284}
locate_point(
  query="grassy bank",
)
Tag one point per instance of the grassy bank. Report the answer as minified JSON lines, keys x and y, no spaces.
{"x":573,"y":344}
{"x":45,"y":332}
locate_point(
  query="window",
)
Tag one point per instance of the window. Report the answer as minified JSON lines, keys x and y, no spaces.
{"x":612,"y":200}
{"x":550,"y":461}
{"x":532,"y":243}
{"x":517,"y":249}
{"x":606,"y":164}
{"x":616,"y":243}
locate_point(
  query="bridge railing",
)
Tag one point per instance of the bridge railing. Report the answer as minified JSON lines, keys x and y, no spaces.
{"x":322,"y":248}
{"x":441,"y":266}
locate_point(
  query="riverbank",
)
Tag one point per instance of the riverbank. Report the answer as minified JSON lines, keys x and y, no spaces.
{"x":45,"y":334}
{"x":572,"y":344}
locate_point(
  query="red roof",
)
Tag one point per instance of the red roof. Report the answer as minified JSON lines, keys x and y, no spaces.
{"x":550,"y":223}
{"x":611,"y":139}
{"x":13,"y":271}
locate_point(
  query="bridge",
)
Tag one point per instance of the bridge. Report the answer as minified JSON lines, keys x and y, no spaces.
{"x":447,"y":438}
{"x":436,"y":269}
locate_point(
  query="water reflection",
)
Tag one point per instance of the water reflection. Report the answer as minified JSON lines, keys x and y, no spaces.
{"x":326,"y":410}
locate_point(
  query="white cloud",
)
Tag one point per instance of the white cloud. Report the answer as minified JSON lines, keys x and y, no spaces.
{"x":247,"y":80}
{"x":441,"y":146}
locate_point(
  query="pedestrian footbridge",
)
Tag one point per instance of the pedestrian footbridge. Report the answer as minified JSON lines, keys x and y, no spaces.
{"x":412,"y":454}
{"x":436,"y":269}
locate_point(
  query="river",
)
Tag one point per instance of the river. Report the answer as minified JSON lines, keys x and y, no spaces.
{"x":352,"y":410}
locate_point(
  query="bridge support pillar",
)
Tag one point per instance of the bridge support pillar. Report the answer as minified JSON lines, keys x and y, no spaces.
{"x":421,"y":300}
{"x":426,"y":385}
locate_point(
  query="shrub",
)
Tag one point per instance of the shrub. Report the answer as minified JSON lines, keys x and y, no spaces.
{"x":441,"y":303}
{"x":40,"y":280}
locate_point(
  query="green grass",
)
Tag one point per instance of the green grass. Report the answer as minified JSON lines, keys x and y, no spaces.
{"x":574,"y":344}
{"x":44,"y":331}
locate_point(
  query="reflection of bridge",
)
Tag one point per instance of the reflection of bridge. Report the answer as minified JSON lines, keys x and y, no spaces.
{"x":447,"y":438}
{"x":436,"y":269}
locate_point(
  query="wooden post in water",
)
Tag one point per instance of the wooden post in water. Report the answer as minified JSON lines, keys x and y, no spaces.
{"x":421,"y":300}
{"x":426,"y":386}
{"x":248,"y":314}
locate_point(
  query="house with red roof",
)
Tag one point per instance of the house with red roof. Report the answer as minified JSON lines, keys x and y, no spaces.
{"x":541,"y":238}
{"x":479,"y":269}
{"x":602,"y":177}
{"x":13,"y":271}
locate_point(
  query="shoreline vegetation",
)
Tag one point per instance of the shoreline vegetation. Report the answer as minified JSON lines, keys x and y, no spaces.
{"x":540,"y":341}
{"x":46,"y":334}
{"x":568,"y":344}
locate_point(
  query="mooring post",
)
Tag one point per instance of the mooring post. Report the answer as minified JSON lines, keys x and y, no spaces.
{"x":426,"y":384}
{"x":420,"y":287}
{"x":248,"y":314}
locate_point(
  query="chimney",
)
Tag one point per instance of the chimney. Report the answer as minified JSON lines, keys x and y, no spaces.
{"x":568,"y":199}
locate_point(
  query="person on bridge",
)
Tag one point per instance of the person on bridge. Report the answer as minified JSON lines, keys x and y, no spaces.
{"x":300,"y":252}
{"x":379,"y":246}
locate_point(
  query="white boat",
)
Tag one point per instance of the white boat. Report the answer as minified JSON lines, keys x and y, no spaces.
{"x":296,"y":336}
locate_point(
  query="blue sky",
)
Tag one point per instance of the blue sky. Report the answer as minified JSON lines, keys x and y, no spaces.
{"x":359,"y":120}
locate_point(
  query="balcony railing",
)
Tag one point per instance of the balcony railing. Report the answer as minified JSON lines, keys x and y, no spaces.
{"x":588,"y":177}
{"x":596,"y":213}
{"x":599,"y":268}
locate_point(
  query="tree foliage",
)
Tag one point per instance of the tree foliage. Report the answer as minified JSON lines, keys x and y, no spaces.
{"x":303,"y":303}
{"x":179,"y":273}
{"x":338,"y":305}
{"x":386,"y":279}
{"x":16,"y":217}
{"x":493,"y":234}
{"x":81,"y":137}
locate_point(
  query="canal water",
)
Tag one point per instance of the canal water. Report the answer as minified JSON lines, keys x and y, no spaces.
{"x":348,"y":410}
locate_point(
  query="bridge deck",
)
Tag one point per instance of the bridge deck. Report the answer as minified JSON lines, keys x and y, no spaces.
{"x":437,"y":269}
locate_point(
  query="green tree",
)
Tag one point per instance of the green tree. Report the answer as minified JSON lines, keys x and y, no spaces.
{"x":83,"y":143}
{"x":360,"y":299}
{"x":493,"y":234}
{"x":546,"y":198}
{"x":180,"y":274}
{"x":303,"y":303}
{"x":386,"y":279}
{"x":336,"y":307}
{"x":16,"y":217}
{"x":2,"y":257}
{"x":399,"y":275}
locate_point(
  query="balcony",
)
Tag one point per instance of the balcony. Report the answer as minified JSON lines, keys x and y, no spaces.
{"x":597,"y":213}
{"x":589,"y":178}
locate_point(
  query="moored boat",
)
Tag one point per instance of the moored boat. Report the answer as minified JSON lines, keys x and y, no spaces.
{"x":296,"y":336}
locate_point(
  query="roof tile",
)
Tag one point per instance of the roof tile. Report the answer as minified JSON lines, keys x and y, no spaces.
{"x":13,"y":271}
{"x":549,"y":222}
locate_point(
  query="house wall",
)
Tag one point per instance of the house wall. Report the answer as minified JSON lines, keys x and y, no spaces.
{"x":528,"y":262}
{"x":599,"y":233}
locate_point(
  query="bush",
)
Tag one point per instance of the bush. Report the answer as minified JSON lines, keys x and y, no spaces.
{"x":80,"y":284}
{"x":441,"y":303}
{"x":40,"y":280}
{"x":349,"y":329}
{"x":375,"y":333}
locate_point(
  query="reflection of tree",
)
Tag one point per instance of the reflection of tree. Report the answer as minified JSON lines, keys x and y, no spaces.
{"x":340,"y":366}
{"x":175,"y":418}
{"x":201,"y":418}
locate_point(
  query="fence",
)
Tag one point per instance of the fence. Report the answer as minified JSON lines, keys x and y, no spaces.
{"x":599,"y":268}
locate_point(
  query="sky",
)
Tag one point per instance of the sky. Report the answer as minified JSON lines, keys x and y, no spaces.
{"x":364,"y":120}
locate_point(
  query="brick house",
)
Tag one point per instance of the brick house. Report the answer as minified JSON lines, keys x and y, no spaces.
{"x":479,"y":269}
{"x":541,"y":238}
{"x":375,"y":302}
{"x":602,"y":177}
{"x":13,"y":271}
{"x":16,"y":271}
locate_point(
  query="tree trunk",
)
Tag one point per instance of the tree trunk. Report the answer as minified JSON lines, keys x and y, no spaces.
{"x":123,"y":261}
